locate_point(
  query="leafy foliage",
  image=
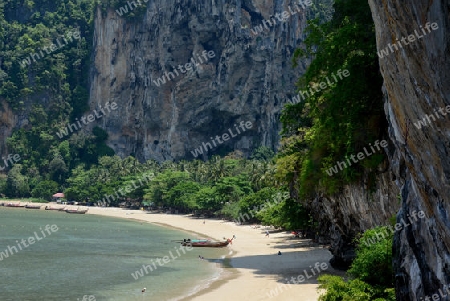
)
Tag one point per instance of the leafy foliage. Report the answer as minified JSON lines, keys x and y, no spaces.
{"x":221,"y":187}
{"x":353,"y":290}
{"x":262,"y":153}
{"x":45,"y":190}
{"x":56,"y":78}
{"x":373,"y":263}
{"x":342,"y":118}
{"x":16,"y":183}
{"x":371,"y":271}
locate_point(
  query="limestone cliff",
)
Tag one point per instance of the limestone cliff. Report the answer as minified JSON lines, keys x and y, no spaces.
{"x":358,"y":207}
{"x":249,"y":78}
{"x":416,"y":83}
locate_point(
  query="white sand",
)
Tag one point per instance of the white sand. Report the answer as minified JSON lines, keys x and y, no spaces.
{"x":257,"y":269}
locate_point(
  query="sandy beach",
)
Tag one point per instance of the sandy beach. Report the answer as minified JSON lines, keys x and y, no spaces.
{"x":258,"y":272}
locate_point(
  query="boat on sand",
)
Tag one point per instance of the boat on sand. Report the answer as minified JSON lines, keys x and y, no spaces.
{"x":32,"y":206}
{"x":77,"y":211}
{"x":53,"y":208}
{"x":14,"y":205}
{"x":206,"y":243}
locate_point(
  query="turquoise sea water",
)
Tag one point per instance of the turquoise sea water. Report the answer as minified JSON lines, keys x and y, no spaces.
{"x":93,"y":257}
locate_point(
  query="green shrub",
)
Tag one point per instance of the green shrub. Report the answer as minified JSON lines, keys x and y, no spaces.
{"x":337,"y":289}
{"x":373,"y":262}
{"x":45,"y":190}
{"x":371,"y":271}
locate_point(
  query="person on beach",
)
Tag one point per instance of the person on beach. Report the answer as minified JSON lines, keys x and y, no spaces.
{"x":267,"y":233}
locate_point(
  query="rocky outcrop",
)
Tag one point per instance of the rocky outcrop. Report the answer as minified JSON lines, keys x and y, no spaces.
{"x":248,"y":78}
{"x":416,"y":83}
{"x":358,"y":207}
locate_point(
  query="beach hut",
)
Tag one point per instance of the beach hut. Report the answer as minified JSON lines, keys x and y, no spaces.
{"x":58,"y":196}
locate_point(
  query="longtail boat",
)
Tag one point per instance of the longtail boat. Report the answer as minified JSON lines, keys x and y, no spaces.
{"x":77,"y":211}
{"x":33,"y":206}
{"x":204,"y":243}
{"x":14,"y":205}
{"x":53,"y":208}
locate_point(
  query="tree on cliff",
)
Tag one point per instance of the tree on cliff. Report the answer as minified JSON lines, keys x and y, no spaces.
{"x":342,"y":115}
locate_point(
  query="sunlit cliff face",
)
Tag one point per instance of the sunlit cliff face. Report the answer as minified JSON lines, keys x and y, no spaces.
{"x":416,"y":86}
{"x":163,"y":115}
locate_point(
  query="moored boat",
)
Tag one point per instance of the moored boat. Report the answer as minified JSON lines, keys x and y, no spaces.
{"x":33,"y":206}
{"x":76,"y":211}
{"x":53,"y":208}
{"x":204,"y":243}
{"x":14,"y":205}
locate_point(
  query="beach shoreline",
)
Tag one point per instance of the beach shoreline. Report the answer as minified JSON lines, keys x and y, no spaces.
{"x":257,"y":271}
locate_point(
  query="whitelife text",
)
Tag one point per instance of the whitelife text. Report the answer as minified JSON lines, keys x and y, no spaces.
{"x":86,"y":120}
{"x":411,"y":38}
{"x":225,"y":137}
{"x":11,"y":250}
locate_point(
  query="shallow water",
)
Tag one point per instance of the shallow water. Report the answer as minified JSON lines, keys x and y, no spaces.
{"x":94,"y":257}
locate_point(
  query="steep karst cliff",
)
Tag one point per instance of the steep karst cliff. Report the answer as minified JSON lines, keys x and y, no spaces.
{"x":416,"y":84}
{"x":358,"y":207}
{"x":247,"y":78}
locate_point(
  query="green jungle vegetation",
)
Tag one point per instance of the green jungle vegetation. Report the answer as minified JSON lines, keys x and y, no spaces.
{"x":370,"y":275}
{"x":342,"y":119}
{"x":325,"y":128}
{"x":52,"y":91}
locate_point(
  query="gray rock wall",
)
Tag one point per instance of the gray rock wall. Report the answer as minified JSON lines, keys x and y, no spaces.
{"x":358,"y":207}
{"x":249,"y":78}
{"x":417,"y":83}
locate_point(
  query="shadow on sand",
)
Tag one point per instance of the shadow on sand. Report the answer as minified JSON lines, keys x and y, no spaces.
{"x":292,"y":262}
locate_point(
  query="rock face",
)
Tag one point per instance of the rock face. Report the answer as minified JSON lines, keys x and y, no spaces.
{"x":416,"y":81}
{"x":248,"y":76}
{"x":358,"y":207}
